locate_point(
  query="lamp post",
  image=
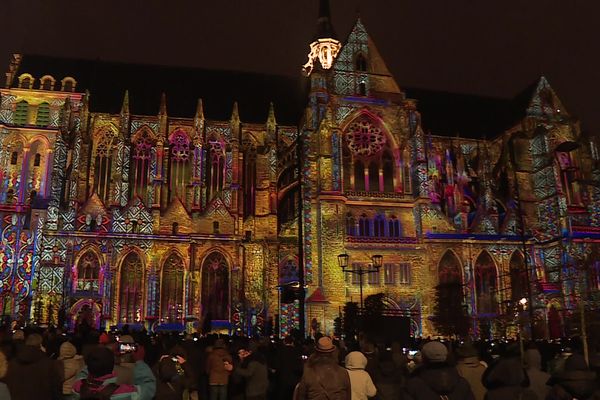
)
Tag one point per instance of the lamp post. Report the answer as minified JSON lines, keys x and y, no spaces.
{"x":360,"y":271}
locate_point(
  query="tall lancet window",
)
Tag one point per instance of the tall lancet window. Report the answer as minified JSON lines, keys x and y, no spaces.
{"x":179,"y":163}
{"x":143,"y":142}
{"x":216,"y":167}
{"x":130,"y":289}
{"x":171,"y":289}
{"x":249,"y":179}
{"x":103,"y":156}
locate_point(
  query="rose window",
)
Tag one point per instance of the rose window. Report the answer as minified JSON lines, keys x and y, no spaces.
{"x":365,"y":139}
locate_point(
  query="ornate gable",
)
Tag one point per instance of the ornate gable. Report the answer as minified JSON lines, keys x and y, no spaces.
{"x":176,"y":214}
{"x":544,"y":102}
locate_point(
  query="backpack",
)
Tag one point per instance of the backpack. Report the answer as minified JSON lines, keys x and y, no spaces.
{"x":89,"y":390}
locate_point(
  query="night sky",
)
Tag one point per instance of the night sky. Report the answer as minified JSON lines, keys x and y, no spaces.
{"x":489,"y":47}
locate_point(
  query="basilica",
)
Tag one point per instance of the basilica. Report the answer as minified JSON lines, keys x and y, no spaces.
{"x":173,"y":198}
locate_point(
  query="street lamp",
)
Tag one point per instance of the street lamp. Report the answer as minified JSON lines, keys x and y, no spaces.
{"x":359,"y":270}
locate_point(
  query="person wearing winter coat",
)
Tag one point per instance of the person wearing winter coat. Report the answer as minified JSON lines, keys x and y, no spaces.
{"x":361,"y":383}
{"x":389,"y":377}
{"x":253,"y":368}
{"x":323,"y":378}
{"x":576,"y":381}
{"x":538,"y":379}
{"x":98,"y":377}
{"x":288,"y":367}
{"x":436,"y":379}
{"x":4,"y":393}
{"x":170,"y":383}
{"x":218,"y":376}
{"x":72,"y":363}
{"x":507,"y":379}
{"x":471,"y":368}
{"x":32,"y":374}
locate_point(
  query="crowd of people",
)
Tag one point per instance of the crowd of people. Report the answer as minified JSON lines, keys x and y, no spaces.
{"x":51,"y":364}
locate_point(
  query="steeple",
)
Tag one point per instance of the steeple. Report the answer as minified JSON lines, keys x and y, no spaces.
{"x":325,"y":46}
{"x":125,"y":105}
{"x":199,"y":116}
{"x":324,"y":25}
{"x":162,"y":114}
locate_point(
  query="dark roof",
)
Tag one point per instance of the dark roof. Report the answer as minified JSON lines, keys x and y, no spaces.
{"x":470,"y":116}
{"x":107,"y":82}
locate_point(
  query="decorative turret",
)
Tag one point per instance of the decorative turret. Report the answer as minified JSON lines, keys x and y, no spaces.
{"x":124,"y":115}
{"x":125,"y":104}
{"x":162,"y":114}
{"x":85,"y":110}
{"x":325,"y":46}
{"x":235,"y":122}
{"x":271,"y":122}
{"x":199,"y":116}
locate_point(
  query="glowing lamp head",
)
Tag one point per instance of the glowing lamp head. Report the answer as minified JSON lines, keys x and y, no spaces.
{"x":377,"y":260}
{"x":343,"y":261}
{"x":325,"y":50}
{"x":523,"y":301}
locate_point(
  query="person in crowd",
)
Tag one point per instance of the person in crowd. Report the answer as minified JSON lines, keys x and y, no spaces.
{"x":32,"y":374}
{"x":288,"y":368}
{"x":170,"y":384}
{"x":574,"y":382}
{"x":124,"y":361}
{"x":4,"y":393}
{"x":361,"y":384}
{"x":218,"y":376}
{"x":471,"y":368}
{"x":506,"y":378}
{"x":435,"y":378}
{"x":538,"y":379}
{"x":99,"y":380}
{"x":323,"y":378}
{"x":72,"y":363}
{"x":253,"y":368}
{"x":389,"y":377}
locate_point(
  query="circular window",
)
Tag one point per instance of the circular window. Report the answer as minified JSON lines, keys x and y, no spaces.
{"x":365,"y":138}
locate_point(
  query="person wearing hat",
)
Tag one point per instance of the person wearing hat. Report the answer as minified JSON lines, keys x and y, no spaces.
{"x":471,"y":368}
{"x":435,"y":379}
{"x":72,"y":363}
{"x":323,"y":378}
{"x":576,"y":381}
{"x":218,"y":376}
{"x":253,"y":368}
{"x":32,"y":374}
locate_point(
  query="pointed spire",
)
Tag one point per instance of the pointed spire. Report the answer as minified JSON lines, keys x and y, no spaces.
{"x":235,"y":115}
{"x":324,"y":26}
{"x":199,"y":117}
{"x":271,"y":117}
{"x":125,"y":105}
{"x":199,"y":110}
{"x":163,"y":104}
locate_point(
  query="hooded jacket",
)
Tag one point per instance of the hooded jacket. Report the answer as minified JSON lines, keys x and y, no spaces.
{"x":361,"y":383}
{"x":43,"y":375}
{"x":433,"y":380}
{"x":538,"y":379}
{"x":72,"y":364}
{"x":506,"y":379}
{"x":472,"y":370}
{"x":575,"y":382}
{"x":389,"y":378}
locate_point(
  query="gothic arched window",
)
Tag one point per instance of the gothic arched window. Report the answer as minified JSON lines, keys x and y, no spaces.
{"x":518,"y":277}
{"x":143,"y":142}
{"x":216,"y":167}
{"x":350,"y":225}
{"x":103,"y":163}
{"x":361,"y":63}
{"x":215,"y":287}
{"x":379,"y":226}
{"x":88,"y":272}
{"x":131,"y":287}
{"x":364,"y":228}
{"x":368,"y":157}
{"x":171,"y":290}
{"x":179,"y":164}
{"x":394,"y":227}
{"x":485,"y":284}
{"x":249,"y":178}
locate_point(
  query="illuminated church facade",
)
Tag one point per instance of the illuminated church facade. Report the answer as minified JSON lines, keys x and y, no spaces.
{"x":163,"y":217}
